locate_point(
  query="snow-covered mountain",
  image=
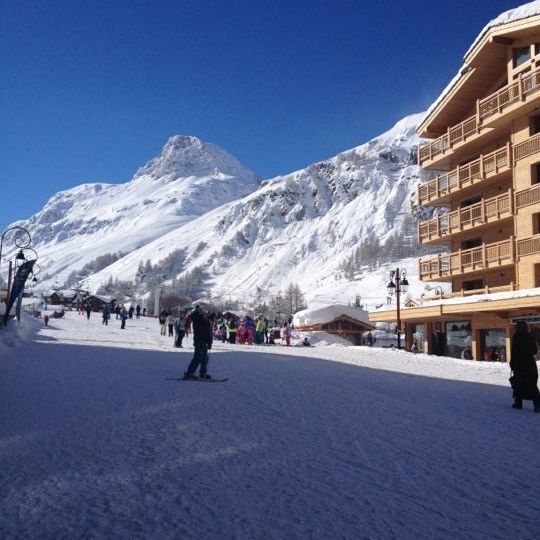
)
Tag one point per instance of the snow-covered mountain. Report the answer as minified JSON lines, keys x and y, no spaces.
{"x":250,"y":238}
{"x":187,"y":179}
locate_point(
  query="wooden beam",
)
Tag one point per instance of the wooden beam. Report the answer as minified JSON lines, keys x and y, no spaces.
{"x":502,"y":40}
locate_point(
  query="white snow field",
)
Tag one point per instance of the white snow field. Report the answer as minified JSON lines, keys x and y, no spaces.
{"x":326,"y":442}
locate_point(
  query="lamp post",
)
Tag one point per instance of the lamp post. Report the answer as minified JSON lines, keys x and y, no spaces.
{"x":398,"y":284}
{"x":20,"y":241}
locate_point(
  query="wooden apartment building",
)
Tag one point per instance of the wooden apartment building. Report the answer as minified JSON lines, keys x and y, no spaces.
{"x":482,"y":164}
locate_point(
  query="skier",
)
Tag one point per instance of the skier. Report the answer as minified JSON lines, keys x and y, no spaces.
{"x":88,"y":311}
{"x":202,"y":341}
{"x":144,"y":312}
{"x":169,"y":321}
{"x":138,"y":311}
{"x":123,"y":317}
{"x":259,"y":330}
{"x":106,"y":313}
{"x":46,"y":320}
{"x":231,"y":328}
{"x":131,"y":310}
{"x":523,"y":364}
{"x":287,"y":333}
{"x":162,"y":319}
{"x":180,"y":327}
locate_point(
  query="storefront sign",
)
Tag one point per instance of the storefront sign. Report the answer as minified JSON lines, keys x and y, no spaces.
{"x":531,"y":319}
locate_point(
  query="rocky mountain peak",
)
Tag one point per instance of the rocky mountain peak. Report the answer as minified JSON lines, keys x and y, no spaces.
{"x":184,"y":156}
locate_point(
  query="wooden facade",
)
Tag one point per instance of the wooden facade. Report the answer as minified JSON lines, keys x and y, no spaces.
{"x":346,"y":327}
{"x":484,"y":168}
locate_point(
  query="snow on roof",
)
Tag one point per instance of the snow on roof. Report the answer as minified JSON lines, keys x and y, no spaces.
{"x":307,"y":317}
{"x":515,"y":14}
{"x":522,"y":293}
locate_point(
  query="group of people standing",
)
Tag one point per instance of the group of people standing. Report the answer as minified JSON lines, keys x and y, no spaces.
{"x":122,"y":313}
{"x":248,"y":330}
{"x":177,"y":327}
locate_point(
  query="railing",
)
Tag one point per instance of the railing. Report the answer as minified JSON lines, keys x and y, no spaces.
{"x":470,"y":216}
{"x":465,"y":175}
{"x":453,"y":136}
{"x":528,"y":246}
{"x":496,"y":103}
{"x":471,"y":292}
{"x":468,"y":260}
{"x":527,"y":148}
{"x":528,"y":196}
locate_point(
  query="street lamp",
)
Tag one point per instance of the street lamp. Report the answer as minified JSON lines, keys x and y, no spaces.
{"x":21,"y":241}
{"x":398,"y":284}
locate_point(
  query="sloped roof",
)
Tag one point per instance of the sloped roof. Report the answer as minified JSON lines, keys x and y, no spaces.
{"x":513,"y":15}
{"x":326,"y":314}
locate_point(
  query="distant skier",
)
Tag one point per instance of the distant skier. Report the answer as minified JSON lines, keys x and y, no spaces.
{"x":138,"y":311}
{"x":162,"y":320}
{"x":202,"y":341}
{"x":180,"y":328}
{"x":88,"y":311}
{"x":287,"y":333}
{"x":46,"y":320}
{"x":169,"y":321}
{"x":123,"y":318}
{"x":106,"y":313}
{"x":130,"y":312}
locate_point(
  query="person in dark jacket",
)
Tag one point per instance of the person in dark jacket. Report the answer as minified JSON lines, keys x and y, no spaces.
{"x":523,"y":364}
{"x":202,"y":341}
{"x":180,"y":327}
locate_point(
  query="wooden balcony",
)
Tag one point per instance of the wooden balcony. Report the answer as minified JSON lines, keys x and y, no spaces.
{"x":469,"y":292}
{"x":528,"y":196}
{"x":476,"y":215}
{"x":464,"y":261}
{"x":488,"y":110}
{"x":439,"y":189}
{"x":528,"y":246}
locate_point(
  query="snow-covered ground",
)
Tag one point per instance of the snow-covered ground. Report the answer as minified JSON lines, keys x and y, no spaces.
{"x":322,"y":442}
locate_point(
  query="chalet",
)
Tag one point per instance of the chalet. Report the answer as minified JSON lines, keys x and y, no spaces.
{"x":98,"y":302}
{"x":345,"y":321}
{"x":482,"y":167}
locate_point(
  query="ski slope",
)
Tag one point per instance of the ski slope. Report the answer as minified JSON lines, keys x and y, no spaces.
{"x":322,"y":442}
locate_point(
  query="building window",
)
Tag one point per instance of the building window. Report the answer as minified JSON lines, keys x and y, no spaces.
{"x":536,"y":223}
{"x":493,"y":345}
{"x":472,"y":243}
{"x":534,"y":125}
{"x":535,"y":173}
{"x":521,"y":56}
{"x":473,"y":285}
{"x":458,"y":337}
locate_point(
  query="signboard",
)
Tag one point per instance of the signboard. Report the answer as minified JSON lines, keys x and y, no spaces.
{"x":529,"y":319}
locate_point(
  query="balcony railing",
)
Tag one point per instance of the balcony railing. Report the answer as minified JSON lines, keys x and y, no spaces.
{"x":494,"y":104}
{"x":487,"y":210}
{"x":528,"y":196}
{"x":528,"y":246}
{"x":470,"y":292}
{"x":527,"y":148}
{"x":453,"y":136}
{"x":464,"y":261}
{"x":465,"y":175}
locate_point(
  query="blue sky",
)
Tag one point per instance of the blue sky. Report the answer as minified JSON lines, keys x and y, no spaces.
{"x":90,"y":91}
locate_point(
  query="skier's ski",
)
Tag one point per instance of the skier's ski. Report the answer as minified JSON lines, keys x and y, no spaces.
{"x":195,"y":379}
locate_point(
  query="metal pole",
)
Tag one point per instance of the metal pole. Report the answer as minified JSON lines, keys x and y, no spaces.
{"x":398,"y":291}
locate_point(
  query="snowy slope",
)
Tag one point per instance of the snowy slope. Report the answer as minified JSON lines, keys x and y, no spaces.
{"x":187,"y":179}
{"x":299,"y":227}
{"x":321,"y":443}
{"x":294,"y":228}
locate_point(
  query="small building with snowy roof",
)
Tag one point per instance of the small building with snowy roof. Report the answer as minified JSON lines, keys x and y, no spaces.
{"x":345,"y":321}
{"x":97,"y":301}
